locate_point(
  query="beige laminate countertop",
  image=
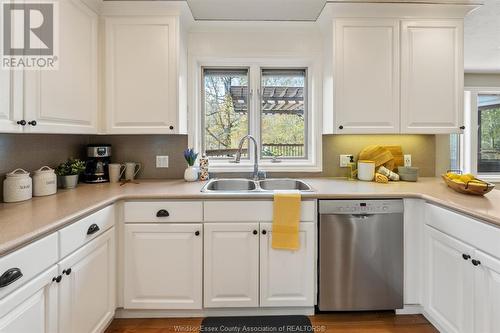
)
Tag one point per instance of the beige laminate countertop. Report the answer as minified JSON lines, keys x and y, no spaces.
{"x":23,"y":222}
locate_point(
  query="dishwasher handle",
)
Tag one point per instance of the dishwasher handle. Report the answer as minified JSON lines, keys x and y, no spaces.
{"x":361,"y":216}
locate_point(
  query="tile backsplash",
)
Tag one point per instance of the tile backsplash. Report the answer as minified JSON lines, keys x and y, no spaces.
{"x":31,"y":151}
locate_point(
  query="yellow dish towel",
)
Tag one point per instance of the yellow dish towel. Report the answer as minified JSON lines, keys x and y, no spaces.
{"x":286,"y":218}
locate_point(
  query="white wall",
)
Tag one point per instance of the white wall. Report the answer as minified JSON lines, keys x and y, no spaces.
{"x":265,"y":43}
{"x":254,"y":39}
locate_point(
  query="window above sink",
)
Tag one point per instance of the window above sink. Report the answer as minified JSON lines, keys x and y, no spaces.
{"x":276,"y":101}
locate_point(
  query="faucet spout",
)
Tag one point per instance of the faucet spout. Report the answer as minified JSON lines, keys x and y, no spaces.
{"x":256,"y":174}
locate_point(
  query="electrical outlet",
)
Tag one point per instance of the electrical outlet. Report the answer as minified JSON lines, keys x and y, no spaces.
{"x":407,"y":160}
{"x":345,"y":160}
{"x":162,"y":161}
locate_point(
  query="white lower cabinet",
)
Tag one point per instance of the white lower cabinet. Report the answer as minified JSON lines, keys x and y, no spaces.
{"x":33,"y":307}
{"x":163,"y":266}
{"x":462,"y":272}
{"x":449,"y":276}
{"x":487,"y":293}
{"x":287,"y":277}
{"x":231,"y":265}
{"x":242,"y":270}
{"x":87,"y":287}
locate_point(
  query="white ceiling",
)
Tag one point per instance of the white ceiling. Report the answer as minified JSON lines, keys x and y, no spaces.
{"x":482,"y":38}
{"x":261,"y":10}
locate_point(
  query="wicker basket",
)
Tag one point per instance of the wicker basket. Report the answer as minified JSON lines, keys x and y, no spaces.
{"x":469,"y":188}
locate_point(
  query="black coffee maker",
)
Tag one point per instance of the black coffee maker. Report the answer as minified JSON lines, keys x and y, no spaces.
{"x":96,"y":167}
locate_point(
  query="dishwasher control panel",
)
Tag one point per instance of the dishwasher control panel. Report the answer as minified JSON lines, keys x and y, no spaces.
{"x":386,"y":206}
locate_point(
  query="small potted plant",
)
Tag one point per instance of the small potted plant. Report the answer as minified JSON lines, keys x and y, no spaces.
{"x":191,"y":173}
{"x":68,"y":172}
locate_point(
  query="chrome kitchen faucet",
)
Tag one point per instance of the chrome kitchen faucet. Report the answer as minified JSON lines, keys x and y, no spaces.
{"x":257,"y":175}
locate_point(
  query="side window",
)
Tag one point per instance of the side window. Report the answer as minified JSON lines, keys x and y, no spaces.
{"x":488,"y":154}
{"x":225,"y":118}
{"x":283,"y":113}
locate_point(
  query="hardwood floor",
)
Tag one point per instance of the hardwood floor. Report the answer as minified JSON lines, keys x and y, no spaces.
{"x":369,"y":322}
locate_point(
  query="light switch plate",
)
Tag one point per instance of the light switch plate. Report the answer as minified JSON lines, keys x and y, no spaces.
{"x":407,"y":160}
{"x":345,"y":160}
{"x":162,"y":161}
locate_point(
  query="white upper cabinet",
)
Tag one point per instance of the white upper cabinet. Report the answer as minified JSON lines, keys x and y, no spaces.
{"x":10,"y":113}
{"x":141,"y":89}
{"x":432,"y":74}
{"x":65,"y":100}
{"x":366,"y":74}
{"x":393,"y":69}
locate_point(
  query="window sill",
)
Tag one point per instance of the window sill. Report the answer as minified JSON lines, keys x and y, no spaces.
{"x":285,"y":166}
{"x":492,"y":178}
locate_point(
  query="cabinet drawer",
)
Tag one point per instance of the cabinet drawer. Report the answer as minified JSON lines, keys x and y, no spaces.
{"x":30,"y":260}
{"x":476,"y":233}
{"x":250,"y":211}
{"x":163,"y":211}
{"x":74,"y":236}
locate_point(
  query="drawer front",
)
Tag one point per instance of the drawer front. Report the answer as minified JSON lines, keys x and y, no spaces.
{"x":251,"y":211}
{"x":163,"y":211}
{"x":30,"y":261}
{"x":77,"y":234}
{"x":481,"y":235}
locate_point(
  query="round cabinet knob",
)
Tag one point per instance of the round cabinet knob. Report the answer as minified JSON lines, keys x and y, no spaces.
{"x":171,"y":127}
{"x":466,"y":256}
{"x":22,"y":122}
{"x":67,"y":271}
{"x":264,"y":232}
{"x":32,"y":123}
{"x":462,"y":127}
{"x":476,"y":262}
{"x":341,"y":127}
{"x":255,"y":232}
{"x":197,"y":233}
{"x":57,"y":279}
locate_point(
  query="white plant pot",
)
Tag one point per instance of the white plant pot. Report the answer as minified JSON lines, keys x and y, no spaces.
{"x":191,"y":174}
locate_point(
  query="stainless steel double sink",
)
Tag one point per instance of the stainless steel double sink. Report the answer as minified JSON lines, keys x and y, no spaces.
{"x":241,"y":185}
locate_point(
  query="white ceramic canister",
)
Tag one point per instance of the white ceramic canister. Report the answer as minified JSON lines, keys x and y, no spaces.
{"x":366,"y":170}
{"x":44,"y":182}
{"x":17,"y":186}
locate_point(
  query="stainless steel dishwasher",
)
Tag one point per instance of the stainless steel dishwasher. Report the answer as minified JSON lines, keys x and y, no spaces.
{"x":360,"y":255}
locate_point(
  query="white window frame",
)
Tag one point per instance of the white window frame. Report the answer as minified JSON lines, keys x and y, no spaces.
{"x":313,"y":162}
{"x":470,"y":138}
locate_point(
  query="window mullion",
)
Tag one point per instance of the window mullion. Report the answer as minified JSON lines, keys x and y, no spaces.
{"x":255,"y":107}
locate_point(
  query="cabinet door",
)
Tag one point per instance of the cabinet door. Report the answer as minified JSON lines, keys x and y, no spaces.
{"x":287,"y":277}
{"x":87,"y":291}
{"x":366,"y":76}
{"x":231,"y":265}
{"x":432,"y":74}
{"x":487,"y":293}
{"x":10,"y":108}
{"x":33,"y":307}
{"x":141,"y":71}
{"x":163,"y":266}
{"x":65,"y":100}
{"x":449,"y":277}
